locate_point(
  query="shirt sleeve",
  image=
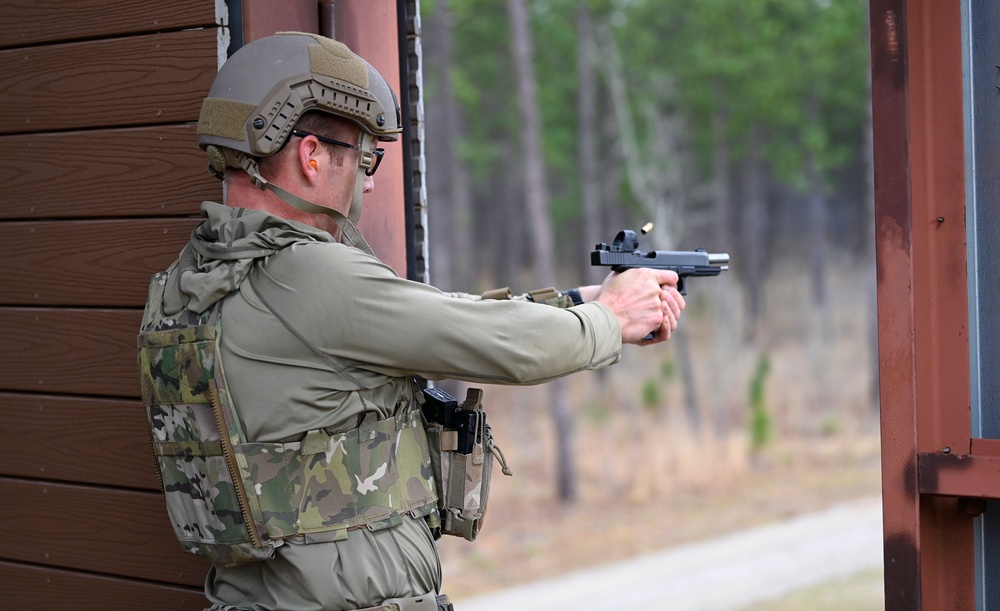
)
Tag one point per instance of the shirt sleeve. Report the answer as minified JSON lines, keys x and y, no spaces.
{"x":356,"y":309}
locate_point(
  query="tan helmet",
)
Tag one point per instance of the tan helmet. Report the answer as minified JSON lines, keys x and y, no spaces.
{"x":263,"y":89}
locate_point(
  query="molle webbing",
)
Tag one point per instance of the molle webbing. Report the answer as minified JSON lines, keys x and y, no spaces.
{"x":233,"y":501}
{"x":325,"y":485}
{"x":337,"y":61}
{"x":224,"y":118}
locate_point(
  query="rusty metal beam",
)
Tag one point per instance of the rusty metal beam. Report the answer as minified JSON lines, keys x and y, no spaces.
{"x":975,"y":474}
{"x":959,"y":476}
{"x":922,"y":297}
{"x":900,"y":495}
{"x":940,"y":290}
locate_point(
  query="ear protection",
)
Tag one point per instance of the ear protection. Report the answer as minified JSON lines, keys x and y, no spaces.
{"x":312,"y":163}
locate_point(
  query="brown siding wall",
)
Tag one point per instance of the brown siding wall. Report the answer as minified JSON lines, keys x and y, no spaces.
{"x":102,"y":179}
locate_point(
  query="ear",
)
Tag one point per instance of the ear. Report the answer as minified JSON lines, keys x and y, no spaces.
{"x":309,"y":159}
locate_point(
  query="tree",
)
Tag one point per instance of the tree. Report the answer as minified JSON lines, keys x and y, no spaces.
{"x":447,"y":182}
{"x":540,"y":223}
{"x":588,"y":131}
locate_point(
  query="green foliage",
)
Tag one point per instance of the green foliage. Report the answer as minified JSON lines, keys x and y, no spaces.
{"x":651,"y":395}
{"x":830,"y":425}
{"x":760,"y":419}
{"x":794,"y":70}
{"x":598,"y":414}
{"x":762,"y":62}
{"x":667,"y":370}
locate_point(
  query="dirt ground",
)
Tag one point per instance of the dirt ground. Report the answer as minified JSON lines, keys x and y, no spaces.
{"x":528,"y":541}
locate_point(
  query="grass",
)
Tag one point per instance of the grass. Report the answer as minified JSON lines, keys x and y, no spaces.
{"x":861,"y":592}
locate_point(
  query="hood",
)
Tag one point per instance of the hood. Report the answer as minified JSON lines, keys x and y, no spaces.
{"x":222,"y":251}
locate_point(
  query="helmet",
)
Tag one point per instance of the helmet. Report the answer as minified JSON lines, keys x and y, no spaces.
{"x":263,"y":89}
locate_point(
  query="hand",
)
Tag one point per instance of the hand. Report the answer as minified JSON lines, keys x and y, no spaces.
{"x":644,"y":301}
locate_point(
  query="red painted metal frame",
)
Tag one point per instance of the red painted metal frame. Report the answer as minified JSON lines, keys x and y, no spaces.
{"x":923,"y":305}
{"x":369,"y":28}
{"x":972,"y":475}
{"x":265,"y":17}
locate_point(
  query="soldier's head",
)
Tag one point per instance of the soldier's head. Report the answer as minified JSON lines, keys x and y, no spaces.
{"x":279,"y":91}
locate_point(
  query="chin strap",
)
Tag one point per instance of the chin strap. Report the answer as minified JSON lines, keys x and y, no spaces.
{"x":365,"y":142}
{"x":221,"y":158}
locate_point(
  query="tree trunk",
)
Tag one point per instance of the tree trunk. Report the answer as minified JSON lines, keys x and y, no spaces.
{"x":818,"y":336}
{"x":540,"y":222}
{"x":656,"y":181}
{"x":588,"y":129}
{"x":819,"y":233}
{"x":533,"y":166}
{"x":441,"y":162}
{"x":724,"y":345}
{"x":871,"y":284}
{"x":754,"y":229}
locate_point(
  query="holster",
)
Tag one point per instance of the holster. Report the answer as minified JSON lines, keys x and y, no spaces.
{"x":462,"y":451}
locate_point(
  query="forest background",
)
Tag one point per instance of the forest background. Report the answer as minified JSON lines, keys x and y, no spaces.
{"x":741,"y":126}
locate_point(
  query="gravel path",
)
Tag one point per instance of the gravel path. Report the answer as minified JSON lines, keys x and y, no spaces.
{"x":722,"y":574}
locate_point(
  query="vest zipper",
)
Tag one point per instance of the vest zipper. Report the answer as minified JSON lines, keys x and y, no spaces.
{"x":156,"y":459}
{"x":234,"y":471}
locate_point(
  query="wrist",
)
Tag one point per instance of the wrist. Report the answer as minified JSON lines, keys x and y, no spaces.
{"x":574,"y":295}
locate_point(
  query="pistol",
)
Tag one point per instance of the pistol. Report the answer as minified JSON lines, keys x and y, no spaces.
{"x":469,"y":424}
{"x":624,"y":254}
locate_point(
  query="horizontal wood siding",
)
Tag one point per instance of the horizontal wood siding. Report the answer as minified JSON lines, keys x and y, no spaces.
{"x":87,"y":263}
{"x":92,"y":528}
{"x":30,"y":22}
{"x":76,"y":439}
{"x":46,"y":589}
{"x":143,"y":171}
{"x":102,"y":181}
{"x":141,"y":80}
{"x":72,"y":351}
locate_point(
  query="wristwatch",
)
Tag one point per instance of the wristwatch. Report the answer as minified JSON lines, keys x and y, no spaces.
{"x":574,"y":294}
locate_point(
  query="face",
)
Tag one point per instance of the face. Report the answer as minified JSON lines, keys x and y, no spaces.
{"x":318,"y":172}
{"x":336,"y":185}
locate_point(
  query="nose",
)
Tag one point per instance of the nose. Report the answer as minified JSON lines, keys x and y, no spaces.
{"x":369,"y":184}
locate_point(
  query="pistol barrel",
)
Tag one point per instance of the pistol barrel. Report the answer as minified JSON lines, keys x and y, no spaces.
{"x":719,"y":258}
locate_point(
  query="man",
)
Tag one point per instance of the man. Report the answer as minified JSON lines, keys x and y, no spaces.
{"x":320,"y":343}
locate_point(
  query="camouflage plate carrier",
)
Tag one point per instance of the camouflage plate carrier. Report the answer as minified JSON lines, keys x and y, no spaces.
{"x":234,"y":501}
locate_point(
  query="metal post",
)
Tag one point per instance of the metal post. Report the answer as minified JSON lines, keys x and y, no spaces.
{"x":922,"y":299}
{"x":370,"y":30}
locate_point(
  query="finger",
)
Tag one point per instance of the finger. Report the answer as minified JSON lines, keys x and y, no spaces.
{"x":666,"y":277}
{"x":676,"y":300}
{"x":664,"y":332}
{"x":670,"y":318}
{"x":669,"y":314}
{"x":670,"y":306}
